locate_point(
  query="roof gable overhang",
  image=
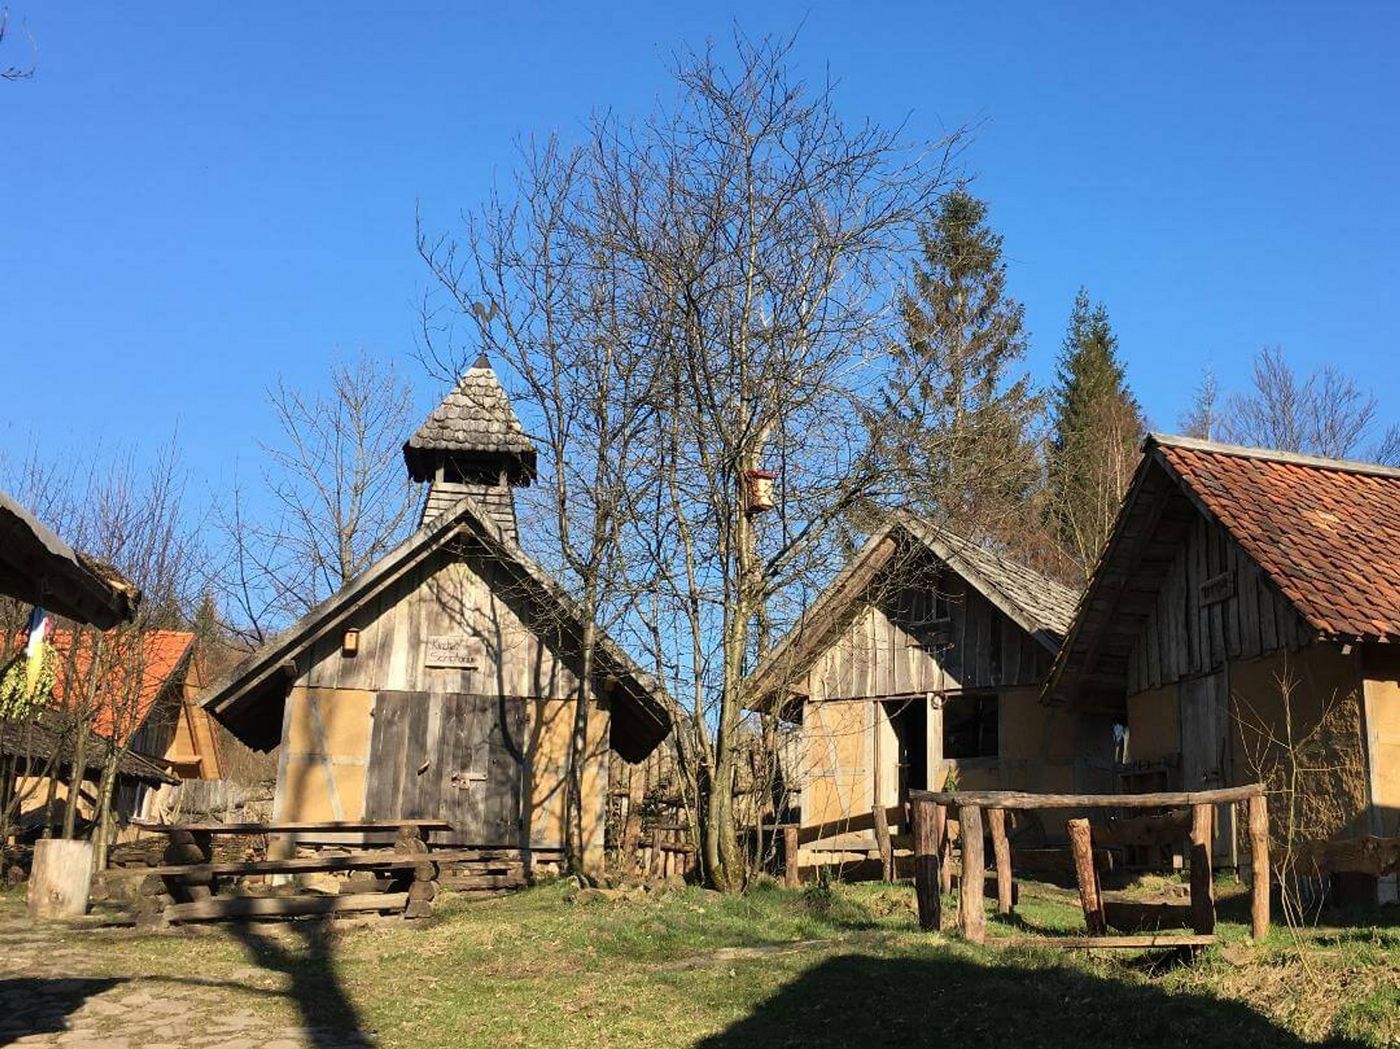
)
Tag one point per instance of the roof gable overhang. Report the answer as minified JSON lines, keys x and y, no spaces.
{"x":641,"y":716}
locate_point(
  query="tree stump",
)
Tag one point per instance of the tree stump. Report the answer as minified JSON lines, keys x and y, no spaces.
{"x":60,"y":879}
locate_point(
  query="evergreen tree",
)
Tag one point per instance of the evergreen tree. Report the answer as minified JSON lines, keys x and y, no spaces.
{"x":956,"y":420}
{"x":1097,"y":428}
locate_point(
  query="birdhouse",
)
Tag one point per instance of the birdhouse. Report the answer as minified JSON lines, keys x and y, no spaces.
{"x":758,"y":491}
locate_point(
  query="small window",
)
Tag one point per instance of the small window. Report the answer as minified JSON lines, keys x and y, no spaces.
{"x":970,"y":726}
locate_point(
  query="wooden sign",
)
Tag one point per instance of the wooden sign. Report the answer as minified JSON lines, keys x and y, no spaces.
{"x":453,"y":650}
{"x":1218,"y":588}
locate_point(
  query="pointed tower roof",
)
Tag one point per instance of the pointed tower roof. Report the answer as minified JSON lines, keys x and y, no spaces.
{"x":475,"y":423}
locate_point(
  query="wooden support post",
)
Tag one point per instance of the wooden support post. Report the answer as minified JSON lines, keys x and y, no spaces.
{"x":943,"y":848}
{"x":657,"y":859}
{"x":1202,"y":879}
{"x":1259,"y":853}
{"x":1001,"y":848}
{"x":1082,"y":848}
{"x":972,"y":922}
{"x":926,"y":865}
{"x":790,"y":873}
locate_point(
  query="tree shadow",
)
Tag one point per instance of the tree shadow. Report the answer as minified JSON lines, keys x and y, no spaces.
{"x":327,"y":1013}
{"x":951,"y":1001}
{"x":32,"y":1005}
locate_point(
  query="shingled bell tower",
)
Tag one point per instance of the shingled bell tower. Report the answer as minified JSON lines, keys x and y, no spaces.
{"x":473,"y":444}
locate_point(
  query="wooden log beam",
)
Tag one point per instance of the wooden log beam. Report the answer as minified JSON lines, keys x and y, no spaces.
{"x":927,"y":879}
{"x":1202,"y":878}
{"x":283,"y":906}
{"x":790,"y":852}
{"x":1139,"y":943}
{"x":1090,"y":897}
{"x":943,"y":848}
{"x":1259,"y":861}
{"x":1001,"y":849}
{"x":1147,"y":831}
{"x":1015,"y":799}
{"x":972,"y":922}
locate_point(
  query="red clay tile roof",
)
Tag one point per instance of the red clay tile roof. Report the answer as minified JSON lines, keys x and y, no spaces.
{"x":134,"y":679}
{"x":1326,"y":531}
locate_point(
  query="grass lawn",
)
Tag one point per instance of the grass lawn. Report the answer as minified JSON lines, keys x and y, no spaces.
{"x":779,"y":968}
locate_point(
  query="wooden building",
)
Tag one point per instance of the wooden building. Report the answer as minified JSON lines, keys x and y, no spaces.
{"x":923,"y":661}
{"x":1246,"y":599}
{"x":442,"y":682}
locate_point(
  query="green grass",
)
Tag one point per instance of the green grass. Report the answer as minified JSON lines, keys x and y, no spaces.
{"x":776,"y":967}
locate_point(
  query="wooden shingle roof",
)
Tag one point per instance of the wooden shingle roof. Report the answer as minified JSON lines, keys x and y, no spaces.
{"x":476,"y":420}
{"x":1040,"y":606}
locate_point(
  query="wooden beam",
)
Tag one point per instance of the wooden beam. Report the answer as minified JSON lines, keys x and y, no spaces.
{"x":1015,"y":799}
{"x":926,"y":866}
{"x":1090,"y":898}
{"x":1139,"y":943}
{"x":1259,"y":877}
{"x":1001,"y":849}
{"x":790,"y":852}
{"x":972,"y":922}
{"x":283,"y":906}
{"x":1202,"y":879}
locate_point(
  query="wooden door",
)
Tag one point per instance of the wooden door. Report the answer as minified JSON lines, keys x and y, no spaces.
{"x":448,"y":756}
{"x":1204,"y":705}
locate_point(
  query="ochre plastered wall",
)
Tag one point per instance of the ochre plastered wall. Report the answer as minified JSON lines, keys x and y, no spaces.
{"x":1381,"y":667}
{"x":325,"y":751}
{"x":1312,"y":697}
{"x":550,"y":727}
{"x":1154,"y":728}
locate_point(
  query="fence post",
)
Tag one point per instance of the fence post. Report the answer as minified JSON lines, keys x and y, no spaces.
{"x":1202,"y":879}
{"x":972,"y":922}
{"x":1259,"y":880}
{"x":1001,"y":848}
{"x":790,"y":874}
{"x":926,"y":864}
{"x":943,"y":847}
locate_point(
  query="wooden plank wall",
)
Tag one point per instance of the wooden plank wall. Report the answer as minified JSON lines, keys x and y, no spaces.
{"x":897,"y":646}
{"x":1185,"y":636}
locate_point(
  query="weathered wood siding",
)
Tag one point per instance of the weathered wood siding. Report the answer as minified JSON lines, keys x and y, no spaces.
{"x":899,"y":645}
{"x":518,"y":704}
{"x":1188,"y":634}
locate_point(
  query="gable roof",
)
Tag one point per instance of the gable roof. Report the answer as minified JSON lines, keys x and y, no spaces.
{"x":475,"y":419}
{"x":1039,"y":606}
{"x":33,"y":742}
{"x":1324,"y":532}
{"x":39,"y":568}
{"x":641,"y":717}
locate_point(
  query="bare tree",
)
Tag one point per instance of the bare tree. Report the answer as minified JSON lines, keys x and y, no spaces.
{"x":15,"y":72}
{"x":339,"y":497}
{"x":1202,"y":418}
{"x":1326,"y":413}
{"x":540,"y":291}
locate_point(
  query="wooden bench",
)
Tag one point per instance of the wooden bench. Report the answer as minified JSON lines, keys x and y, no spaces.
{"x":183,"y":888}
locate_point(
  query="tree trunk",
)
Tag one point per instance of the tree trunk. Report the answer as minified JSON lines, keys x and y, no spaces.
{"x":75,"y":782}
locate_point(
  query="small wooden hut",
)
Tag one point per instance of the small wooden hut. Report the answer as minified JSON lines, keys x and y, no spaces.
{"x":442,"y":683}
{"x":923,"y":660}
{"x":1247,"y":599}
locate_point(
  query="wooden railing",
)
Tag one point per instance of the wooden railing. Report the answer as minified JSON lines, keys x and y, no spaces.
{"x":931,"y":854}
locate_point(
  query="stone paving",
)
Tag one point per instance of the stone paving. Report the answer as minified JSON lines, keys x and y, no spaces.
{"x":55,"y":993}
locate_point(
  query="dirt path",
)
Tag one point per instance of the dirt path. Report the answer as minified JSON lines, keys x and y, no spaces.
{"x":61,"y":993}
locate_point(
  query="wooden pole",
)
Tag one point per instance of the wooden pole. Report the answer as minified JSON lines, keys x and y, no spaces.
{"x":1202,"y":881}
{"x":790,"y":873}
{"x":654,"y":867}
{"x":942,"y":847}
{"x":877,"y":809}
{"x":1259,"y":881}
{"x":926,"y":866}
{"x":1001,"y":848}
{"x":1082,"y":848}
{"x":972,"y":922}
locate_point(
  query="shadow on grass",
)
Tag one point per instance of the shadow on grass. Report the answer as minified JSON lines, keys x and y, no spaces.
{"x":953,"y":1001}
{"x":327,"y":1013}
{"x":33,"y":1005}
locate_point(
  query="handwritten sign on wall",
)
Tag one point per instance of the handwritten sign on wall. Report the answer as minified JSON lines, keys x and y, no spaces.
{"x":453,"y":650}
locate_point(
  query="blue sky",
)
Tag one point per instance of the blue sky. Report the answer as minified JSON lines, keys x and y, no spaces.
{"x":194,"y":204}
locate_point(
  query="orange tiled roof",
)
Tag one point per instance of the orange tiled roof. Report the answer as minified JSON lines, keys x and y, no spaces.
{"x":1326,"y":531}
{"x":161,"y":654}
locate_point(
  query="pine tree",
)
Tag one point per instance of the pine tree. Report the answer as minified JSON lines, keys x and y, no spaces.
{"x":956,"y":421}
{"x":1097,"y":427}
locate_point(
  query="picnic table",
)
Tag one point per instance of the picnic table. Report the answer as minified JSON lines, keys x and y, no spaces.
{"x":184,"y":887}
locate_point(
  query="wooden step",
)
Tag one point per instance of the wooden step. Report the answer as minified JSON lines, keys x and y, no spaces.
{"x":483,"y":881}
{"x":221,"y":907}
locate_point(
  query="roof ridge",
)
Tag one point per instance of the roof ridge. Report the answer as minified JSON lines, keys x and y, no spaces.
{"x":1196,"y":444}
